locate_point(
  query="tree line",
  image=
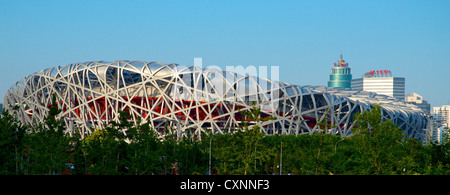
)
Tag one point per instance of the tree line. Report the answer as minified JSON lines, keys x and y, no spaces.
{"x":377,"y":147}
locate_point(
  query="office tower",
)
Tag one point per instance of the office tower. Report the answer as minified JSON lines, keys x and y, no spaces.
{"x":381,"y":82}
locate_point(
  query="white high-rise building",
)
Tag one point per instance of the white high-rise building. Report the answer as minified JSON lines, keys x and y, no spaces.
{"x":441,"y":119}
{"x":381,"y":82}
{"x":442,"y":114}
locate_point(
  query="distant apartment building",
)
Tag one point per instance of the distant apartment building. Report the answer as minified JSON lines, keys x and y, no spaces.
{"x":381,"y":82}
{"x":442,"y":114}
{"x":439,"y":134}
{"x":441,"y":119}
{"x":416,"y":99}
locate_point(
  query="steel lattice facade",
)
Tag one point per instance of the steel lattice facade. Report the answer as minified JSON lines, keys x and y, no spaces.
{"x":193,"y":99}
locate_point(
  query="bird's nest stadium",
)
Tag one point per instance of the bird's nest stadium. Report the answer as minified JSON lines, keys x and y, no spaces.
{"x":194,"y":100}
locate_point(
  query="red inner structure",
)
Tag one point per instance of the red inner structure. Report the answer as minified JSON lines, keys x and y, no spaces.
{"x":104,"y":109}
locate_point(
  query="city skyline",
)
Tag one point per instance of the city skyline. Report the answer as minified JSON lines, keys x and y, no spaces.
{"x":410,"y":38}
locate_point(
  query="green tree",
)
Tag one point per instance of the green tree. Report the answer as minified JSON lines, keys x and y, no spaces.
{"x":105,"y":150}
{"x":193,"y":155}
{"x":143,"y":150}
{"x":323,"y":143}
{"x":439,"y":157}
{"x":11,"y":143}
{"x":377,"y":141}
{"x":47,"y":148}
{"x":239,"y":154}
{"x":98,"y":152}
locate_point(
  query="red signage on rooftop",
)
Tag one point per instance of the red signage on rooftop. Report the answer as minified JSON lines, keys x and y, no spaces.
{"x":378,"y":73}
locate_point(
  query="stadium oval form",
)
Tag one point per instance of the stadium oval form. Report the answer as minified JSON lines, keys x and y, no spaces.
{"x":194,"y":100}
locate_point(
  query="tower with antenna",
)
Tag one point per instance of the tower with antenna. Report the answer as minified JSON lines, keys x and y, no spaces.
{"x":341,"y":75}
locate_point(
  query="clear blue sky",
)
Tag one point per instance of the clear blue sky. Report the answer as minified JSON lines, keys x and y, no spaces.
{"x":304,"y":38}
